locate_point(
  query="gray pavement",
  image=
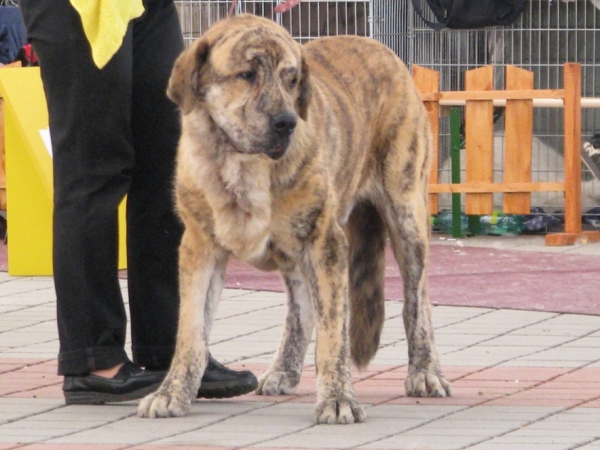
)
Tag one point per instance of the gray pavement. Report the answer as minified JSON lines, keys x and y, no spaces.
{"x":521,"y":380}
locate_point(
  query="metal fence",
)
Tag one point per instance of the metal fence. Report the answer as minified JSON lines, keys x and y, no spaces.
{"x":546,"y":35}
{"x":310,"y":19}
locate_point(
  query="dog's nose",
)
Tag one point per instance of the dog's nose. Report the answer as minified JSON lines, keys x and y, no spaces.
{"x":284,"y":123}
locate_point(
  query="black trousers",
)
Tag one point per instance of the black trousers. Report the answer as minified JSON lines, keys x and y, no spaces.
{"x":114,"y":132}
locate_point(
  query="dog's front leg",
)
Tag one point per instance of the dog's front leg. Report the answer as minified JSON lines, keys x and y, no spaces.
{"x":285,"y":371}
{"x":327,"y":277}
{"x":201,"y":269}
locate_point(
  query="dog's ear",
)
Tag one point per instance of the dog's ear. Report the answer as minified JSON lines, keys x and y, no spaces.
{"x":184,"y":84}
{"x":304,"y":91}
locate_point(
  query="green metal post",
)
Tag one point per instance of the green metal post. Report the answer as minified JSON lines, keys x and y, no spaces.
{"x":455,"y":158}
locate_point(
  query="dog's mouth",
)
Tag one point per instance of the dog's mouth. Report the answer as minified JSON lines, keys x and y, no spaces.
{"x":273,"y":148}
{"x":275,"y":153}
{"x":278,"y":149}
{"x":273,"y":145}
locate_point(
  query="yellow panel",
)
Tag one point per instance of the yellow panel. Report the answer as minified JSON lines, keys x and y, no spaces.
{"x":29,"y":175}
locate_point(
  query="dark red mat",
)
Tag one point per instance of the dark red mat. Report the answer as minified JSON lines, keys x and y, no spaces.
{"x":470,"y":276}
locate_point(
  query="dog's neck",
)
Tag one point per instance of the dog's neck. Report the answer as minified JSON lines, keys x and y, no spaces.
{"x":241,"y":202}
{"x":237,"y":187}
{"x":246,"y":180}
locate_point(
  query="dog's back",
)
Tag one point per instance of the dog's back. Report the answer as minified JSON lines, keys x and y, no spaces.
{"x":367,"y":88}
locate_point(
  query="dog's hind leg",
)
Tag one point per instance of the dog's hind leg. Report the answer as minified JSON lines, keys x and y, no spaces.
{"x":201,"y":275}
{"x":409,"y":232}
{"x":366,"y":240}
{"x":285,"y":371}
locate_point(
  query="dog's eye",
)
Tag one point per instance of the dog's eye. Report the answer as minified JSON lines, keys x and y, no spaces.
{"x":294,"y":82}
{"x":248,"y":75}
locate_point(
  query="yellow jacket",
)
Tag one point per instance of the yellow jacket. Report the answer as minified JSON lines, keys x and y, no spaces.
{"x":105,"y":24}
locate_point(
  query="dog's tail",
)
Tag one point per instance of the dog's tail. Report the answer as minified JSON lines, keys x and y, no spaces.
{"x":366,"y":238}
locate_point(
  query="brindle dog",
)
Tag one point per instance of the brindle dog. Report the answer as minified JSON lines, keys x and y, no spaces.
{"x":303,"y":159}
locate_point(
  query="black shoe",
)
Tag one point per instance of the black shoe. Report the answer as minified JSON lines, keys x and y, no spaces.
{"x":130,"y":383}
{"x":221,"y":382}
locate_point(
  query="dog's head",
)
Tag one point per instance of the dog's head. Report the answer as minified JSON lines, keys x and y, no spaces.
{"x":249,"y":77}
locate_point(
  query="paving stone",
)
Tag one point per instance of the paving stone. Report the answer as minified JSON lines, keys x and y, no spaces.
{"x":522,"y":380}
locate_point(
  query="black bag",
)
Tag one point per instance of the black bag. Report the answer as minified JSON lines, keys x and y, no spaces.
{"x":467,"y":14}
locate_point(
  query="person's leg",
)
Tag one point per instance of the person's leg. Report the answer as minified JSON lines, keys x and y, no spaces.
{"x":89,"y":113}
{"x":154,"y":231}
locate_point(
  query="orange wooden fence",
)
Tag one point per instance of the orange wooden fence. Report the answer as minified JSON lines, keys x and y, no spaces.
{"x":479,"y":135}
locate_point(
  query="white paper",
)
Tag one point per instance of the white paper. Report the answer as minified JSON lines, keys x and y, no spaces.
{"x":45,"y":134}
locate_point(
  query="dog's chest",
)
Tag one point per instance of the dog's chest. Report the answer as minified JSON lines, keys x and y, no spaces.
{"x":260,"y":236}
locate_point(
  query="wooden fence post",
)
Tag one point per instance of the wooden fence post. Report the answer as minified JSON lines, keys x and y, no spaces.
{"x":572,"y":143}
{"x":572,"y":148}
{"x":518,"y":123}
{"x":428,"y":81}
{"x":479,"y":123}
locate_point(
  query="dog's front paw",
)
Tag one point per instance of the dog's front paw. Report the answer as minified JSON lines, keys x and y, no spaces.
{"x":339,"y":411}
{"x":427,"y":384}
{"x":277,"y":383}
{"x":163,"y":404}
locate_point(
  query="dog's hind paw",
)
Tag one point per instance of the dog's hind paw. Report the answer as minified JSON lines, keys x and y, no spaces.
{"x":161,"y":404}
{"x":277,"y":383}
{"x":427,"y":384}
{"x":339,"y":411}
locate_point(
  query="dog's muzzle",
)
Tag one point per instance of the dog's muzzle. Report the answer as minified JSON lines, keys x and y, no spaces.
{"x":282,"y":126}
{"x":284,"y":123}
